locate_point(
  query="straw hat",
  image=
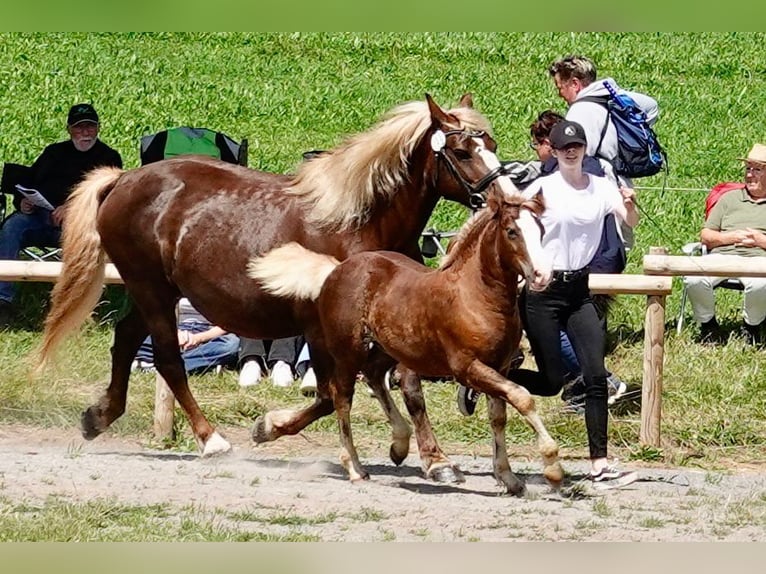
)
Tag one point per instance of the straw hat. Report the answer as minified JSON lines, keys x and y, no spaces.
{"x":757,"y":154}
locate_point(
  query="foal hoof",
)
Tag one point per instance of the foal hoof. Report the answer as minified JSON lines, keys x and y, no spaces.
{"x":215,"y":445}
{"x":260,"y":433}
{"x":397,"y":457}
{"x":446,"y":474}
{"x":90,"y":429}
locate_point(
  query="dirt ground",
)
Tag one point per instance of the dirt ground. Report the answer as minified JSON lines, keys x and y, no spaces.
{"x":300,"y":478}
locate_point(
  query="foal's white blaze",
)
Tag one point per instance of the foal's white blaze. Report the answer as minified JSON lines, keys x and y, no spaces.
{"x":541,"y":262}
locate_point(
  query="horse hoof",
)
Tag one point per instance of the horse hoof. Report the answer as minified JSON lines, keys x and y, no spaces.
{"x":447,"y":474}
{"x":517,"y":488}
{"x":554,"y":474}
{"x":88,"y":424}
{"x":360,"y":478}
{"x":396,"y":457}
{"x":216,"y":445}
{"x":259,"y":432}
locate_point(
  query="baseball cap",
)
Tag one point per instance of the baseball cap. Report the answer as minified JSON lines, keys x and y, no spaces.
{"x":565,"y":133}
{"x":81,"y":113}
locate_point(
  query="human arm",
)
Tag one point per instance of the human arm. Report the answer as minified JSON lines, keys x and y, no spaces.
{"x":188,"y":340}
{"x":748,"y":237}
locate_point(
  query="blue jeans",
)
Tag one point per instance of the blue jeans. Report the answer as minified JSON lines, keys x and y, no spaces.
{"x":569,"y":357}
{"x":21,"y":230}
{"x":218,"y":351}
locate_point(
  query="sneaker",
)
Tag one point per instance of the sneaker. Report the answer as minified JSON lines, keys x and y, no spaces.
{"x":616,"y":389}
{"x":750,"y":333}
{"x":574,"y":390}
{"x":612,"y":477}
{"x":6,"y":314}
{"x":517,"y":360}
{"x":309,"y":383}
{"x":710,"y":331}
{"x":466,"y":400}
{"x":281,"y":374}
{"x":250,"y":374}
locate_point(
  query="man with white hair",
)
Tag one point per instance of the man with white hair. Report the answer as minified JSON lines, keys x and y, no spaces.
{"x":55,"y":172}
{"x":736,"y":225}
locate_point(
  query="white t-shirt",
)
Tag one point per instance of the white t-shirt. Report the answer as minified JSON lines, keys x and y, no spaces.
{"x":573,"y":219}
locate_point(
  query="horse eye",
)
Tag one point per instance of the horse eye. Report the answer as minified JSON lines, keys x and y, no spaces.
{"x":461,"y":154}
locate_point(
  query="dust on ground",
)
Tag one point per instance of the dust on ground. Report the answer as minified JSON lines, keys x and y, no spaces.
{"x":300,"y":477}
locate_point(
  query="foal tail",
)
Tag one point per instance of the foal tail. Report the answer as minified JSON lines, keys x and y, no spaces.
{"x":292,"y":271}
{"x":79,"y":286}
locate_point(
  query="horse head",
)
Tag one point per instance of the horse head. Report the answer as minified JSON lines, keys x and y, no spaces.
{"x":511,"y":245}
{"x":466,"y":164}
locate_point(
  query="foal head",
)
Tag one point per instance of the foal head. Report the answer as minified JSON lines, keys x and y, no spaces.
{"x":511,"y":248}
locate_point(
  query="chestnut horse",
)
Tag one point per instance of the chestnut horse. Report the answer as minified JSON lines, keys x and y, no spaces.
{"x":188,"y":226}
{"x":461,"y":320}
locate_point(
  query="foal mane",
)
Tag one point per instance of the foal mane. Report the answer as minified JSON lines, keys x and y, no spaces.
{"x":342,"y":185}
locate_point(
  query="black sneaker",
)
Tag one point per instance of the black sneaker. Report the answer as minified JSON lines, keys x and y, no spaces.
{"x":575,"y":389}
{"x":751,"y":333}
{"x":466,"y":400}
{"x":517,"y":360}
{"x":6,"y":314}
{"x":611,"y":477}
{"x":710,"y":331}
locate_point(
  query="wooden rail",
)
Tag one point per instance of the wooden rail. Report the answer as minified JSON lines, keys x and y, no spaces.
{"x":656,"y":288}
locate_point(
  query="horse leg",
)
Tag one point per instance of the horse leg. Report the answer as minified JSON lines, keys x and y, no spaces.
{"x":434,"y":462}
{"x":400,"y":430}
{"x":343,"y":395}
{"x":484,"y":378}
{"x":159,"y":314}
{"x":502,"y":468}
{"x":129,"y":332}
{"x":274,"y":424}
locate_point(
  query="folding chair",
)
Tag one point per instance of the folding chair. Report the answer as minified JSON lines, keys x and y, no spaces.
{"x":697,"y":248}
{"x":14,"y":173}
{"x":185,"y":140}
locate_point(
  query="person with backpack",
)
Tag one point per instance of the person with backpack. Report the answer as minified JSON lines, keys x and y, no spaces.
{"x":597,"y":105}
{"x":736,"y":225}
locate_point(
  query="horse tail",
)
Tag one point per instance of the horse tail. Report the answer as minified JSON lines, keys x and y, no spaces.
{"x":292,"y":271}
{"x":79,"y":286}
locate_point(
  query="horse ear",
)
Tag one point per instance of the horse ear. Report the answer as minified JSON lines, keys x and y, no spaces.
{"x":536,"y":204}
{"x":495,"y":199}
{"x":466,"y":100}
{"x":437,"y":114}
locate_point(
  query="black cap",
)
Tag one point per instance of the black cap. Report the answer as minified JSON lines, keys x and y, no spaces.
{"x":565,"y":133}
{"x":81,"y":113}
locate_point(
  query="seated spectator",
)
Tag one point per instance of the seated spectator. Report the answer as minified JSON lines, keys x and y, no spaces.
{"x":277,"y":356}
{"x":735,"y":226}
{"x":60,"y":167}
{"x":203,"y":345}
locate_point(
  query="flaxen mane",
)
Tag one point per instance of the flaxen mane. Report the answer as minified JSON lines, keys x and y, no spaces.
{"x":342,"y":184}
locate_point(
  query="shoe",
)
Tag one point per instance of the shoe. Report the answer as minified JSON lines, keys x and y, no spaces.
{"x":309,"y":383}
{"x":6,"y":314}
{"x":250,"y":374}
{"x":281,"y":374}
{"x":616,"y":388}
{"x":710,"y":331}
{"x":751,"y":333}
{"x":517,"y":360}
{"x":574,"y":389}
{"x":612,"y":477}
{"x":466,"y":400}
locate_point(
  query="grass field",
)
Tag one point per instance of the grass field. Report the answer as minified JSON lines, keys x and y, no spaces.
{"x":287,"y":93}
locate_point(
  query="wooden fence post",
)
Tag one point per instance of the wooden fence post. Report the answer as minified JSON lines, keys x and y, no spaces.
{"x":654,"y":354}
{"x":164,"y":405}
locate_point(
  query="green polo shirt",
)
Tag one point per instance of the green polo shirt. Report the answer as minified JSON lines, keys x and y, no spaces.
{"x":737,"y":210}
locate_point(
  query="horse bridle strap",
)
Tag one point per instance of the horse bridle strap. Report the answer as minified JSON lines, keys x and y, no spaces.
{"x":475,"y":190}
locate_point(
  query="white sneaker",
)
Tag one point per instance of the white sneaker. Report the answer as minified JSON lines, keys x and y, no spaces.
{"x":309,"y":383}
{"x":281,"y":374}
{"x":250,"y":374}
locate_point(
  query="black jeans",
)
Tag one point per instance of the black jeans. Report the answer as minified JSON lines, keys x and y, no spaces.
{"x":269,"y":351}
{"x":568,"y":306}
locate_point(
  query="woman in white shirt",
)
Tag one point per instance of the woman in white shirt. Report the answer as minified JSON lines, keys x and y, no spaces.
{"x":576,"y":204}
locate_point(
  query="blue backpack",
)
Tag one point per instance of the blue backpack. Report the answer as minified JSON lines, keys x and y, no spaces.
{"x":639,"y":153}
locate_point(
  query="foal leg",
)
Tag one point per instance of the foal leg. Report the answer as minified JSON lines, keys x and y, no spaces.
{"x":343,"y":395}
{"x":274,"y":424}
{"x":128,"y":335}
{"x":400,"y":430}
{"x":502,"y":468}
{"x":434,"y":462}
{"x":487,"y":380}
